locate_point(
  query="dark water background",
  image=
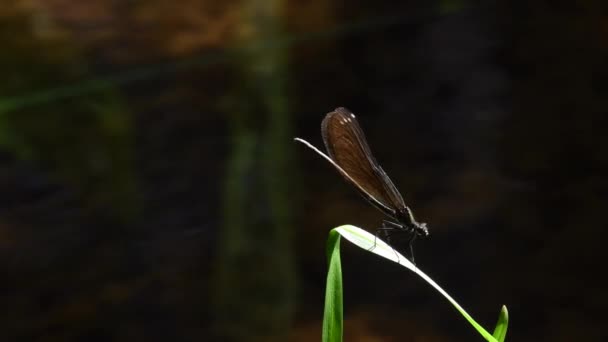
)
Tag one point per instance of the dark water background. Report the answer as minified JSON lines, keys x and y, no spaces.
{"x":150,"y":189}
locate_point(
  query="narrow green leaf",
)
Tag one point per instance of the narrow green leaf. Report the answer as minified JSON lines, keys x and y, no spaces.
{"x":332,"y":316}
{"x":369,"y":242}
{"x":500,"y":332}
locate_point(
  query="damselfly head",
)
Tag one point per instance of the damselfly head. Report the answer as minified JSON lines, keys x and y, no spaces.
{"x":421,"y":229}
{"x":405,"y":216}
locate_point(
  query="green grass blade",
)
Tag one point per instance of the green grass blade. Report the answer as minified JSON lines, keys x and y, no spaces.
{"x":500,"y":332}
{"x":333,"y":312}
{"x":365,"y":240}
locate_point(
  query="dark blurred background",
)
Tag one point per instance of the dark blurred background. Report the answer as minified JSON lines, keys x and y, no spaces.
{"x":150,"y":188}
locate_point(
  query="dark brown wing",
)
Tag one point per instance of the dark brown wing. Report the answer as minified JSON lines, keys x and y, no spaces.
{"x":347,"y":147}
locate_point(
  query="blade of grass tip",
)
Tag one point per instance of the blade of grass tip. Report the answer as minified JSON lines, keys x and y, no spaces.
{"x":333,"y":314}
{"x":371,"y":243}
{"x":500,"y":332}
